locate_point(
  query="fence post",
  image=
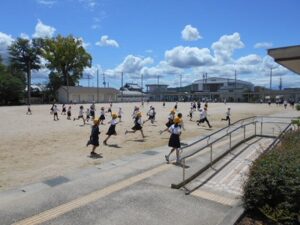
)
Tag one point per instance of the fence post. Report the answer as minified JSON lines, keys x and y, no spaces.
{"x":183,"y":171}
{"x":261,"y":126}
{"x":211,"y":155}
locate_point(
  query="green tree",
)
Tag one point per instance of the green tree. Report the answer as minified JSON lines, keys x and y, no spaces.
{"x":66,"y":59}
{"x":25,"y":55}
{"x":11,"y":87}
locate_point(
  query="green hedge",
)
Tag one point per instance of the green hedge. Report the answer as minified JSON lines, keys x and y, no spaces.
{"x":298,"y":107}
{"x":273,"y":187}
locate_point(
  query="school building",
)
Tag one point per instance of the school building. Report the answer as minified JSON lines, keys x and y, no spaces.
{"x":79,"y":94}
{"x":212,"y":88}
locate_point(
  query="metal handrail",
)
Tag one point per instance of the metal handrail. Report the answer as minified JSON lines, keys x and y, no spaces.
{"x":228,"y":133}
{"x":230,"y":126}
{"x":216,"y":140}
{"x":208,"y":136}
{"x":277,"y":139}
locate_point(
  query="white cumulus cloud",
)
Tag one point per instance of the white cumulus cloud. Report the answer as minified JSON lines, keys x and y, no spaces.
{"x":5,"y":41}
{"x":105,"y":41}
{"x":133,"y":64}
{"x":186,"y":57}
{"x":263,"y":45}
{"x":225,"y":46}
{"x":190,"y":33}
{"x":162,"y":69}
{"x":249,"y":59}
{"x":43,"y":31}
{"x":48,"y":3}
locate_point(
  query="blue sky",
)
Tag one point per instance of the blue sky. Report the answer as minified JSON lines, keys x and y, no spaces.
{"x":162,"y":37}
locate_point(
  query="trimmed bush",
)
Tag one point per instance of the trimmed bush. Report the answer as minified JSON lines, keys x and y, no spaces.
{"x":298,"y":107}
{"x":273,"y":186}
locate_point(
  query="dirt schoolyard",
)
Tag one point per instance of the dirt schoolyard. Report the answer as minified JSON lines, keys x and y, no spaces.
{"x":34,"y":147}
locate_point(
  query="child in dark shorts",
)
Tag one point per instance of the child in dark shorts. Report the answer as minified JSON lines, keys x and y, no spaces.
{"x":112,"y":128}
{"x":94,"y":138}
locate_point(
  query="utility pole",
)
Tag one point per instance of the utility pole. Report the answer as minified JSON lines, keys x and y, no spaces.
{"x":280,"y":83}
{"x":180,"y":82}
{"x":235,"y":85}
{"x":122,"y":86}
{"x":88,"y":80}
{"x":142,"y":81}
{"x":271,"y":78}
{"x":104,"y":83}
{"x":97,"y":85}
{"x":235,"y":79}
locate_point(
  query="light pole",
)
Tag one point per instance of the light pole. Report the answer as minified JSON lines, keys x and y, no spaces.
{"x":97,"y":85}
{"x":271,"y":77}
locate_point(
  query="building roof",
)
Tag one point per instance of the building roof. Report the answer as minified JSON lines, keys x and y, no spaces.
{"x":157,"y":85}
{"x":133,"y":85}
{"x":288,"y":57}
{"x":131,"y":93}
{"x":211,"y":80}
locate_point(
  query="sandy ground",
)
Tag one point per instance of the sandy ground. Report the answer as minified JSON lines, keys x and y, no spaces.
{"x":35,"y":148}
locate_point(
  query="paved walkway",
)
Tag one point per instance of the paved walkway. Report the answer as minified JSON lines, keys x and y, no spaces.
{"x":135,"y":190}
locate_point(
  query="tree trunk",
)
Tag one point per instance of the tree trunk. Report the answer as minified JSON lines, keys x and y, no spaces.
{"x":28,"y":84}
{"x":67,"y":88}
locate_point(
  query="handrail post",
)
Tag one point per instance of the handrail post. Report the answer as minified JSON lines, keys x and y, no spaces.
{"x":244,"y":132}
{"x":261,"y":126}
{"x":255,"y":128}
{"x":183,"y":171}
{"x":230,"y":141}
{"x":211,"y":155}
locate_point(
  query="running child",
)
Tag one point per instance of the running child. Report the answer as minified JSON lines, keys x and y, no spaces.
{"x":179,"y":115}
{"x":102,"y":115}
{"x":55,"y":115}
{"x":191,"y":113}
{"x":285,"y":103}
{"x":151,"y":113}
{"x":174,"y":141}
{"x":135,"y":112}
{"x":112,"y":128}
{"x":170,"y":122}
{"x":88,"y":113}
{"x":227,"y":116}
{"x":198,"y":105}
{"x":176,"y":105}
{"x":138,"y":123}
{"x":69,"y":114}
{"x":94,"y":138}
{"x":28,"y":110}
{"x":92,"y":110}
{"x":120,"y":112}
{"x":63,"y":109}
{"x":80,"y":114}
{"x":203,"y":118}
{"x":109,"y":109}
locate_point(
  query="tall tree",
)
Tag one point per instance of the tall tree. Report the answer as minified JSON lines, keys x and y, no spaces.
{"x":11,"y":87}
{"x":66,"y":59}
{"x":25,"y":55}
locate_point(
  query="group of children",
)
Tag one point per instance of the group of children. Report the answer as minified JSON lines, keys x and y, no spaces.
{"x":174,"y":124}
